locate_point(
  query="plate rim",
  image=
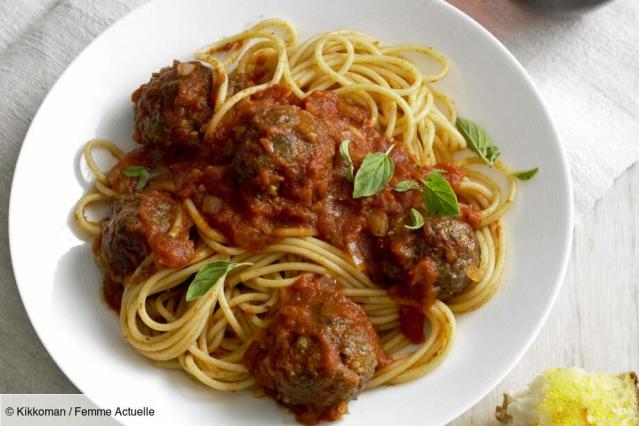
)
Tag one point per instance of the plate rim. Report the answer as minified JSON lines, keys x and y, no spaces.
{"x":468,"y":20}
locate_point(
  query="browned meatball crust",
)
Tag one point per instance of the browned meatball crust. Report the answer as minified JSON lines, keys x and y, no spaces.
{"x":284,"y":150}
{"x":123,"y":245}
{"x":139,"y":225}
{"x":318,"y":353}
{"x":173,"y":108}
{"x":452,"y":245}
{"x":447,"y":245}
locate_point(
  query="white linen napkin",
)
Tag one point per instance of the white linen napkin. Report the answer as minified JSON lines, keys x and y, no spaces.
{"x":587,"y":69}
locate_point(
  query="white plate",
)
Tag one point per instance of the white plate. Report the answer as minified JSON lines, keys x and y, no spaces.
{"x":60,"y":284}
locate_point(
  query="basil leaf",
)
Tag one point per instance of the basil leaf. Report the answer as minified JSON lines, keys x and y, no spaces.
{"x":525,"y":174}
{"x":207,"y":277}
{"x":478,"y":140}
{"x":134,"y":171}
{"x":375,"y":172}
{"x":406,"y":185}
{"x":141,"y":173}
{"x":439,"y":197}
{"x":416,"y":220}
{"x":142,"y":180}
{"x":346,"y":156}
{"x":492,"y":153}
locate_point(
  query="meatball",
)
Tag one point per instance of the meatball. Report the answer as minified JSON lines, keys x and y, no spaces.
{"x":428,"y":263}
{"x":143,"y":224}
{"x":123,"y":244}
{"x":318,"y":353}
{"x":452,"y":245}
{"x":285,"y":151}
{"x":172,"y":109}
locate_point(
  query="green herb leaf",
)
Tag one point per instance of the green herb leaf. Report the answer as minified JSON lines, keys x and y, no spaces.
{"x":439,"y":197}
{"x":133,"y":171}
{"x":142,"y":180}
{"x":525,"y":174}
{"x":208,"y":276}
{"x":346,"y":156}
{"x":416,"y":219}
{"x":141,"y":173}
{"x":406,"y":185}
{"x":375,"y":172}
{"x":478,"y":140}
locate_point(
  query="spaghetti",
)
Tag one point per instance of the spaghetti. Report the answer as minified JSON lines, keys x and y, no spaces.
{"x":208,"y":337}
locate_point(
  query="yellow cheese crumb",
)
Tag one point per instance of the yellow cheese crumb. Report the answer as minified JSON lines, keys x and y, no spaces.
{"x":574,"y":397}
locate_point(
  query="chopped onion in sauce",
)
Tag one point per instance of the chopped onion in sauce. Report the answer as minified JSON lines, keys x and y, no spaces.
{"x":185,"y":68}
{"x":267,"y":144}
{"x":378,"y":223}
{"x":211,"y":204}
{"x":358,"y":260}
{"x":474,"y":273}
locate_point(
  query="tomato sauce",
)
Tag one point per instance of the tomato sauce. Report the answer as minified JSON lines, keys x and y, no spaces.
{"x":273,"y":163}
